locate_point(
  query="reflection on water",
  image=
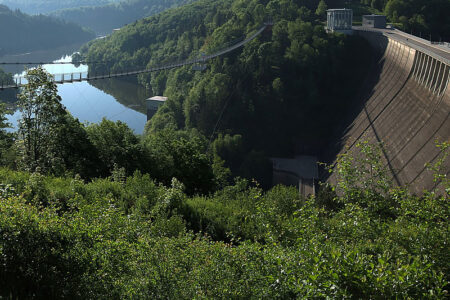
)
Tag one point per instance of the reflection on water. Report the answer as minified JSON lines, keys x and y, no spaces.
{"x":127,"y":92}
{"x":61,"y":69}
{"x":123,"y":100}
{"x":37,"y":56}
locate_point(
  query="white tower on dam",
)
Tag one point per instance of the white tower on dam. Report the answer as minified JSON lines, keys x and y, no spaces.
{"x":340,"y":20}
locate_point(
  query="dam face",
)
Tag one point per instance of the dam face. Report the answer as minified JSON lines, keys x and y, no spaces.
{"x":405,"y":105}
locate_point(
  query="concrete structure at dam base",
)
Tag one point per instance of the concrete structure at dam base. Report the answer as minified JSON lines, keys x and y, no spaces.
{"x":153,"y":104}
{"x":404,"y":105}
{"x":301,"y":172}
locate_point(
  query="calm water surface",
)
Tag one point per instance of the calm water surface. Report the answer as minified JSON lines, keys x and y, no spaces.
{"x":88,"y":103}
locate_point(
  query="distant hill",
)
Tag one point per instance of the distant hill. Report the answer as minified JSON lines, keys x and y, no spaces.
{"x":45,"y":6}
{"x":23,"y":33}
{"x":103,"y":19}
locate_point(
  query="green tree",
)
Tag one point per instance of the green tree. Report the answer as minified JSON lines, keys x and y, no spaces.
{"x":8,"y":95}
{"x":117,"y":146}
{"x":42,"y":114}
{"x":321,"y":8}
{"x":181,"y":154}
{"x":206,"y":101}
{"x":77,"y":154}
{"x":425,"y":16}
{"x":6,"y":138}
{"x":231,"y":149}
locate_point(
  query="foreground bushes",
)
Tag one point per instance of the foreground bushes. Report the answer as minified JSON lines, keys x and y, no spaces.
{"x":132,"y":238}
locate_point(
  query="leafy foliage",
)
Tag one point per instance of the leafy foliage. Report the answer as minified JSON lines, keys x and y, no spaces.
{"x":8,"y":95}
{"x":49,"y":139}
{"x":321,"y":8}
{"x":117,"y":146}
{"x":181,"y":155}
{"x":42,"y":111}
{"x":421,"y":16}
{"x":6,"y":138}
{"x":134,"y":238}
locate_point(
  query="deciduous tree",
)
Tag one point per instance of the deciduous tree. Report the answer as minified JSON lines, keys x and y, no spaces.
{"x":42,"y":113}
{"x":321,"y":8}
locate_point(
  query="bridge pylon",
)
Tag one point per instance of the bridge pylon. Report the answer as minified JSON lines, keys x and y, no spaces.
{"x":269,"y":22}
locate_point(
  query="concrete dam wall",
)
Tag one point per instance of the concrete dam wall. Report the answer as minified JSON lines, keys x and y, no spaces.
{"x":405,"y":104}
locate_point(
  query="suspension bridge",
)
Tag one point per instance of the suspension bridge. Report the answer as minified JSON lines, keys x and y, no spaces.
{"x":62,"y":78}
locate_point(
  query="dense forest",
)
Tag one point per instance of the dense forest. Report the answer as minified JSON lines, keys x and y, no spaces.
{"x":45,"y":6}
{"x":282,"y":94}
{"x":103,"y":19}
{"x":21,"y":32}
{"x":260,"y":102}
{"x":80,"y":219}
{"x":419,"y":17}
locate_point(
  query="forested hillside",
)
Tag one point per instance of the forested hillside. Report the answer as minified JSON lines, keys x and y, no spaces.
{"x":421,"y":17}
{"x":21,"y":32}
{"x":283,"y":93}
{"x":45,"y":6}
{"x":103,"y":19}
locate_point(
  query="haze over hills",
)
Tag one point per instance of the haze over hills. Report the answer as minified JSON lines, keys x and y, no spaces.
{"x":45,"y":6}
{"x":21,"y":32}
{"x":103,"y":19}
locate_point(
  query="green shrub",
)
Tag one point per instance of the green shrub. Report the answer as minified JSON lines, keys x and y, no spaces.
{"x":60,"y":237}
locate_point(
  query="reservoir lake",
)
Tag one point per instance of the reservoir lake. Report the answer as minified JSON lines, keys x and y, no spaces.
{"x":90,"y":102}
